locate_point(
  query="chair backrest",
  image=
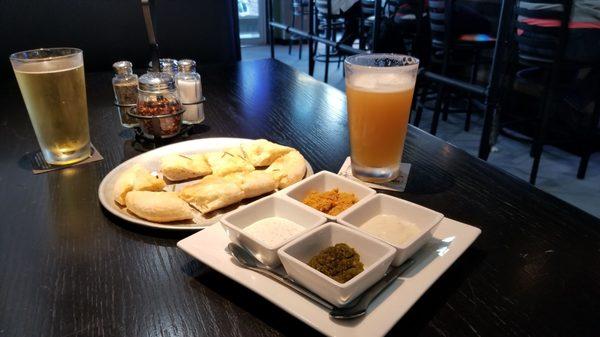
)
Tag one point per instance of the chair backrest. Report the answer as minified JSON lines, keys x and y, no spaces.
{"x":323,"y":8}
{"x":299,"y":7}
{"x":392,"y":5}
{"x":440,"y":21}
{"x":408,"y":9}
{"x":542,"y":44}
{"x":111,"y":30}
{"x":367,"y":8}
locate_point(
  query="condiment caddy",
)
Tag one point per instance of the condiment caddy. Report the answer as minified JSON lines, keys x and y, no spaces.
{"x":155,"y":104}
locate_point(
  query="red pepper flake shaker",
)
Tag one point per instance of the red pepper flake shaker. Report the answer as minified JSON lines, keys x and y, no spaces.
{"x":158,"y":108}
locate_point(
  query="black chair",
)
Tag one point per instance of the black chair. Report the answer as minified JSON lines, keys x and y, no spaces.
{"x":450,"y":49}
{"x":411,"y":17}
{"x":108,"y":31}
{"x":328,"y":25}
{"x":299,"y":10}
{"x":492,"y":90}
{"x":367,"y":20}
{"x":545,"y":52}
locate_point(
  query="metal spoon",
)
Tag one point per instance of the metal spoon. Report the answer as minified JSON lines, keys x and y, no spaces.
{"x":355,"y":308}
{"x":358,"y":306}
{"x":247,"y":260}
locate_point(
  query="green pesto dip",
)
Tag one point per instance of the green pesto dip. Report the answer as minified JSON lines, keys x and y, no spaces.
{"x":340,"y":262}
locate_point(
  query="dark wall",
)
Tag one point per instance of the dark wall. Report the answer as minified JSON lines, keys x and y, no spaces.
{"x":111,"y":30}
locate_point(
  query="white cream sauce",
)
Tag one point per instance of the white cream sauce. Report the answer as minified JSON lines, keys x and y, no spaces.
{"x":390,"y":228}
{"x":273,"y":231}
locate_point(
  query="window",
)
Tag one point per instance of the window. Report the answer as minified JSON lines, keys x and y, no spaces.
{"x":252,"y":21}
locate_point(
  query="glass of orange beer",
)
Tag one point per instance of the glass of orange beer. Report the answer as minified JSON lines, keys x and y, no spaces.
{"x":379,"y":89}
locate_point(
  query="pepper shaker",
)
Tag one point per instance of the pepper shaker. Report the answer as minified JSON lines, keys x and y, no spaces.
{"x":125,"y":87}
{"x":189,"y":87}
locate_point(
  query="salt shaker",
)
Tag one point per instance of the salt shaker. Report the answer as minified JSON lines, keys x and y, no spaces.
{"x":189,"y":87}
{"x":125,"y":87}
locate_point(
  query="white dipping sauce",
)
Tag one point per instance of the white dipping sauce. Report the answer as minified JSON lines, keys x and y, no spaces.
{"x":274,"y":230}
{"x":390,"y":228}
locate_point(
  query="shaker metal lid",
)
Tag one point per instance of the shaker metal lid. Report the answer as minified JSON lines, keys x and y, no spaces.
{"x":186,"y":65}
{"x":166,"y":66}
{"x":156,"y":82}
{"x":122,"y":67}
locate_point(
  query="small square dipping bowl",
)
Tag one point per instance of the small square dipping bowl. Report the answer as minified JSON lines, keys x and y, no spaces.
{"x":325,"y":181}
{"x":375,"y":255}
{"x":424,"y":218}
{"x":235,"y":222}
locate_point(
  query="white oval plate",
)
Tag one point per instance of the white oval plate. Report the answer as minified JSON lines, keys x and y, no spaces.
{"x":151,"y":161}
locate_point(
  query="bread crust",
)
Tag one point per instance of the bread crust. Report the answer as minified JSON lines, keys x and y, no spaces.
{"x":178,"y":167}
{"x":288,"y":169}
{"x":136,"y":178}
{"x":158,"y":206}
{"x":211,"y":193}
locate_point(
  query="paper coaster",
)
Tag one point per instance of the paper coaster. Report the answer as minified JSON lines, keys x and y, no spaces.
{"x":398,"y":184}
{"x":39,"y":164}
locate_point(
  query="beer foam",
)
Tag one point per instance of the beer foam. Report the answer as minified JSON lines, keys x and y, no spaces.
{"x":49,"y":66}
{"x":382,"y":82}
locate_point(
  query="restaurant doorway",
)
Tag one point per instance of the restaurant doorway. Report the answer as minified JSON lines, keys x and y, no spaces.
{"x":252,"y":22}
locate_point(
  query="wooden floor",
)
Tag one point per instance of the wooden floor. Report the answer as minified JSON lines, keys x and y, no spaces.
{"x":558,"y":168}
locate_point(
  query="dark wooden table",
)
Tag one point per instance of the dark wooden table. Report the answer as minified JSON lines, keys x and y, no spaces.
{"x":68,"y":268}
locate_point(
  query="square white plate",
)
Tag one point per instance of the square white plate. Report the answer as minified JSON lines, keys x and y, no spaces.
{"x":450,"y":240}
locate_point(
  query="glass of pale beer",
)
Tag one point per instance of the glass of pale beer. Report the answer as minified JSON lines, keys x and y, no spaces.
{"x":379,"y":89}
{"x":52,"y":83}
